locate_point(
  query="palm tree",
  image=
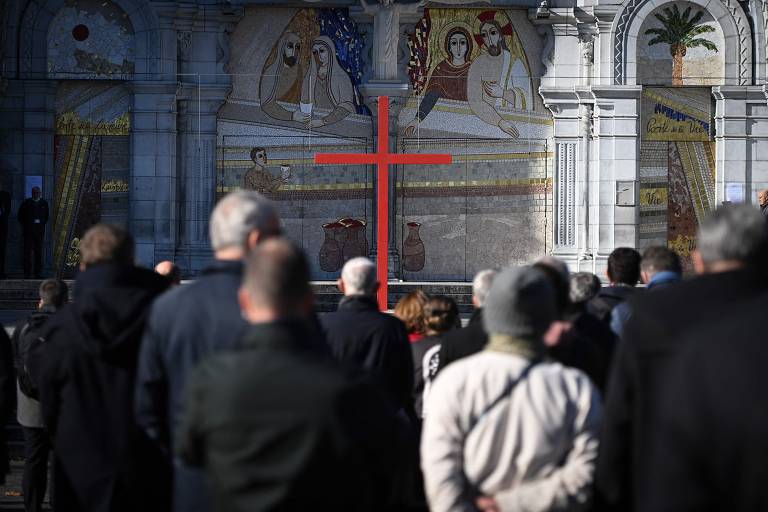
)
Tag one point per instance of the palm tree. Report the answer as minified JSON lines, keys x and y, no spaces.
{"x":680,"y":33}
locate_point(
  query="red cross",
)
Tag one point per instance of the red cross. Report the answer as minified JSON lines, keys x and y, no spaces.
{"x":383,"y":159}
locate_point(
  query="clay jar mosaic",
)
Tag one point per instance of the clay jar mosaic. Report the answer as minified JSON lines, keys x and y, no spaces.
{"x":355,"y":242}
{"x":330,"y":252}
{"x":413,"y":249}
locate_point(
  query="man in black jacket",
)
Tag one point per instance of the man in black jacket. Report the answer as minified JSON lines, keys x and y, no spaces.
{"x":33,"y":216}
{"x":472,"y":338}
{"x":195,"y":320}
{"x":360,"y":335}
{"x":623,"y":272}
{"x":86,"y":371}
{"x":54,"y":293}
{"x":731,"y":253}
{"x":276,"y":423}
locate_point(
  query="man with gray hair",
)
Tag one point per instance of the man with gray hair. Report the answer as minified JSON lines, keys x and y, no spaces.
{"x":730,"y":258}
{"x":507,"y":428}
{"x":360,"y":335}
{"x":190,"y":322}
{"x":472,"y":338}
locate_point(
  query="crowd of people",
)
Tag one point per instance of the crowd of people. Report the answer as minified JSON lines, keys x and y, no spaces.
{"x":230,"y":393}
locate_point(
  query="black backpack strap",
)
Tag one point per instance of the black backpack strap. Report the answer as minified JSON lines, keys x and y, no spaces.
{"x":505,"y":393}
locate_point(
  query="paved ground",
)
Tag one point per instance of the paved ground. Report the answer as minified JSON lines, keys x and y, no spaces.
{"x":10,"y":493}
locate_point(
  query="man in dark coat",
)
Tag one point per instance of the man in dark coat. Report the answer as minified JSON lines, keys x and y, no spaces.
{"x":195,"y":320}
{"x":5,"y":214}
{"x":623,"y":272}
{"x":33,"y":216}
{"x":53,"y":293}
{"x":360,"y":335}
{"x":731,"y":251}
{"x":472,"y":338}
{"x":276,"y":423}
{"x":86,"y":371}
{"x":7,"y":398}
{"x":711,"y":441}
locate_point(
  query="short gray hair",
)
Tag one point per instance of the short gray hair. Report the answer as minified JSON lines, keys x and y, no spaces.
{"x":584,"y":286}
{"x":481,"y":285}
{"x":735,"y":232}
{"x":236,"y":215}
{"x":557,"y":265}
{"x":359,"y":277}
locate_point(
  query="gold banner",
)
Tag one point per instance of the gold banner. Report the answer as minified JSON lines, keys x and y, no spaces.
{"x":654,"y":196}
{"x":70,"y":123}
{"x":661,"y":128}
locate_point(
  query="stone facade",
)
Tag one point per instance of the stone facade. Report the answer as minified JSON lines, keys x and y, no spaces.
{"x":575,"y":126}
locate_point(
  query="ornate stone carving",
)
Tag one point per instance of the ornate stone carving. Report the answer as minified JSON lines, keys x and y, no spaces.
{"x":183,"y":42}
{"x":386,"y":34}
{"x":566,"y":194}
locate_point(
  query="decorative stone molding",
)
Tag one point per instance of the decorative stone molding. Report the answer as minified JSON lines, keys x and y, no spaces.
{"x":566,"y":194}
{"x":719,"y":9}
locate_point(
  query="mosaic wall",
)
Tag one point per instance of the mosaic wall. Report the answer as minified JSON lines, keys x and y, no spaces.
{"x":680,"y":44}
{"x":296,"y":76}
{"x":92,"y":164}
{"x":677,"y":168}
{"x":475,"y":74}
{"x":295,"y":92}
{"x":90,"y":39}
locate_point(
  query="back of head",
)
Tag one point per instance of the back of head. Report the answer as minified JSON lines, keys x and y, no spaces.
{"x":441,"y":314}
{"x":521,"y":304}
{"x":735,"y":233}
{"x":560,"y":284}
{"x":237,"y":215}
{"x":359,"y":277}
{"x":660,"y":259}
{"x":410,"y":309}
{"x":624,"y":266}
{"x":481,"y":285}
{"x":106,"y":243}
{"x":54,"y":293}
{"x":277,"y":276}
{"x":170,"y":270}
{"x":584,"y":286}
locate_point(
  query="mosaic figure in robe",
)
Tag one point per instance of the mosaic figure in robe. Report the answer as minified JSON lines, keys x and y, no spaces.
{"x":449,"y":78}
{"x":258,"y":178}
{"x":489,"y":83}
{"x":326,"y":86}
{"x":282,"y":78}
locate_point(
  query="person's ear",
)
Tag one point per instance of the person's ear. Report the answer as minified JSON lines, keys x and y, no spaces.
{"x":83,"y":266}
{"x":340,"y":285}
{"x":244,"y":300}
{"x":698,"y":262}
{"x":644,"y":277}
{"x":254,"y":237}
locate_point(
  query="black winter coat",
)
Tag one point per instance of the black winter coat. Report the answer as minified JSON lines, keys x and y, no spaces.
{"x":7,"y":398}
{"x":464,"y":342}
{"x":711,"y":440}
{"x":359,"y":335}
{"x":86,"y":371}
{"x":626,"y":464}
{"x":280,"y":426}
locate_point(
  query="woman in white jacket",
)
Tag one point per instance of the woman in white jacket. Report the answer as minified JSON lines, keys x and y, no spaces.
{"x":508,"y":430}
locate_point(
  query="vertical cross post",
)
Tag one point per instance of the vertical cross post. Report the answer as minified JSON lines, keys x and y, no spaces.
{"x":383,"y":159}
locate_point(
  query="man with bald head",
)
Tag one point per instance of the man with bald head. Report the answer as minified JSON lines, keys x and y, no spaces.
{"x":192,"y":321}
{"x":170,"y":270}
{"x":277,"y":424}
{"x":762,"y":197}
{"x":360,"y":335}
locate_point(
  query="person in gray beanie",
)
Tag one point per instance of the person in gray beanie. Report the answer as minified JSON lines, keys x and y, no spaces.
{"x":508,"y":429}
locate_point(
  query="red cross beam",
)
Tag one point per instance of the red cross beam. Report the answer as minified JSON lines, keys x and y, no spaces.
{"x":383,"y":159}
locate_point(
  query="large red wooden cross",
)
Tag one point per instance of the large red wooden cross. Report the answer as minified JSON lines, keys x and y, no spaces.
{"x":383,"y":159}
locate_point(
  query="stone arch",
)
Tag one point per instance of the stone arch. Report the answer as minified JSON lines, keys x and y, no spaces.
{"x":728,"y":13}
{"x":37,"y":18}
